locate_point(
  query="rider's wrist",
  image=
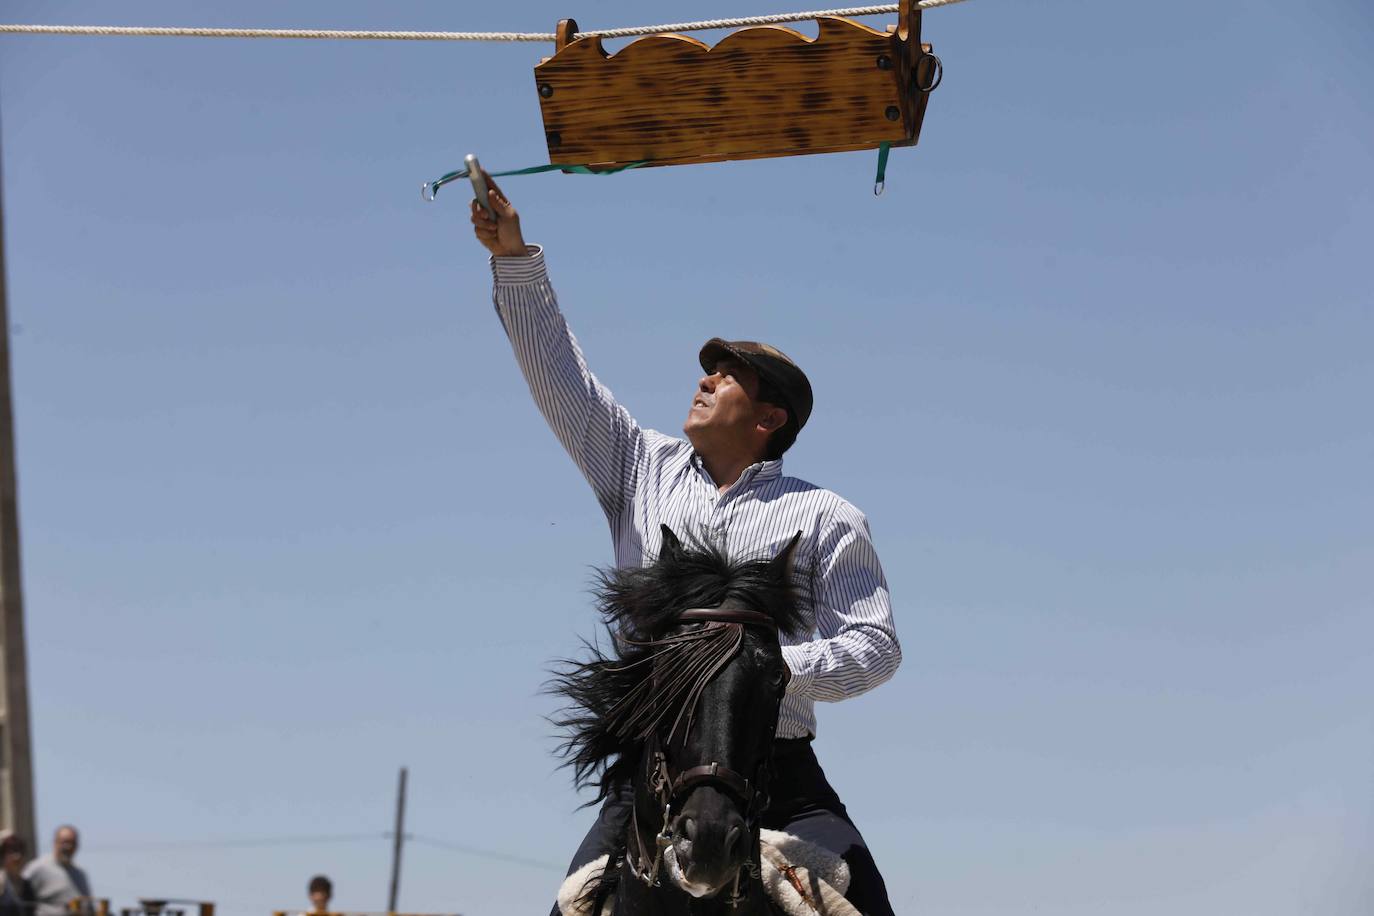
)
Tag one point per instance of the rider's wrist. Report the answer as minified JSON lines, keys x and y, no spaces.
{"x":524,"y":267}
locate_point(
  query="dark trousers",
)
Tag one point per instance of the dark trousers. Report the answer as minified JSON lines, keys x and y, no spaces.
{"x":802,"y":803}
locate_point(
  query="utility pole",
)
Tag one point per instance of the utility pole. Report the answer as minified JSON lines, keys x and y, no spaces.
{"x":398,"y":840}
{"x":16,"y":761}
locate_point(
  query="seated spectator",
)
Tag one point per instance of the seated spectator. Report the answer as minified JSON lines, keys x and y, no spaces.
{"x":16,"y":893}
{"x":55,"y":878}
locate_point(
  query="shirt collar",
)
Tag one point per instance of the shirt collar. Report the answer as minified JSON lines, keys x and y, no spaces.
{"x":756,"y":473}
{"x":766,"y":470}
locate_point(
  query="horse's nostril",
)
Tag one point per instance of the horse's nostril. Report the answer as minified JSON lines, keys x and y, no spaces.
{"x":689,"y":828}
{"x":732,"y":840}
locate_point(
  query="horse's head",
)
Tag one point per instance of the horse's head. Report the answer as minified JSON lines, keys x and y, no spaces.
{"x":688,"y":707}
{"x":712,"y":759}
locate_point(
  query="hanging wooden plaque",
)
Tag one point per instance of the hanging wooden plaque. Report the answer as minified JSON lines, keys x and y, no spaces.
{"x":761,"y":91}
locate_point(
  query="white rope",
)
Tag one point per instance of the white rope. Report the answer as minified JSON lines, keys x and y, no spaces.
{"x":343,"y":34}
{"x":758,"y":20}
{"x":177,"y":32}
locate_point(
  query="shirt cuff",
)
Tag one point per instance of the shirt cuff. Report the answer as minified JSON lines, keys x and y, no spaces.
{"x":512,"y":270}
{"x":795,"y":659}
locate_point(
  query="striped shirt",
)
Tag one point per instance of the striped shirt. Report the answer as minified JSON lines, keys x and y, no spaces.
{"x":644,"y":479}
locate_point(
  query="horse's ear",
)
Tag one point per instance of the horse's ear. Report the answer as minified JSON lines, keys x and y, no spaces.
{"x":782,"y":563}
{"x":671,"y":545}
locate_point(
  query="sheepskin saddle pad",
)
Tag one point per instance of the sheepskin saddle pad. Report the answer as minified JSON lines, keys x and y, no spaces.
{"x":802,"y":879}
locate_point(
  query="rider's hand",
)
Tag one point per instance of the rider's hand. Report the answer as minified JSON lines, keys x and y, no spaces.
{"x":499,"y":235}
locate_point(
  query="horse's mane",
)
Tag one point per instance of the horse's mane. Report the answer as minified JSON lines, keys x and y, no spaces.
{"x":638,"y":606}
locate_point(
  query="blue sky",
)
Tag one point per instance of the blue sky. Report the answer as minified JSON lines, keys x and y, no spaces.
{"x":1097,"y":366}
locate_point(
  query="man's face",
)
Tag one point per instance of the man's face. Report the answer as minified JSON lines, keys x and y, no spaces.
{"x":65,"y":844}
{"x":320,"y":900}
{"x":724,"y":409}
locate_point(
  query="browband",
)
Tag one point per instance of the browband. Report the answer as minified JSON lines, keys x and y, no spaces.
{"x":723,"y":615}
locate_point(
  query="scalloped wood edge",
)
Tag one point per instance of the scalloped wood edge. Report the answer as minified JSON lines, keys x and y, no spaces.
{"x":759,"y":92}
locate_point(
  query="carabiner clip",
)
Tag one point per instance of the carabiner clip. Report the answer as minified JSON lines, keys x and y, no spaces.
{"x":430,"y":189}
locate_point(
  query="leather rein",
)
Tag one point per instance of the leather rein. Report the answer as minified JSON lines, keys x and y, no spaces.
{"x":672,"y":791}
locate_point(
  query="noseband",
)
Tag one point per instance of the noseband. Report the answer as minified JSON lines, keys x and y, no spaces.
{"x":672,"y":791}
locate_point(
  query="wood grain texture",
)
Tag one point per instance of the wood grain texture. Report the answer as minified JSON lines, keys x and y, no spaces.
{"x":760,"y":92}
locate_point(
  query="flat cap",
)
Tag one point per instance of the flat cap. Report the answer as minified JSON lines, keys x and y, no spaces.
{"x":772,"y":365}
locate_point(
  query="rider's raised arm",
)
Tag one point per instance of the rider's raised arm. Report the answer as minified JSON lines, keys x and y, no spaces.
{"x":857,"y":649}
{"x":600,"y":435}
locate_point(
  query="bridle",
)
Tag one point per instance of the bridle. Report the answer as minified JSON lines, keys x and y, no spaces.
{"x":672,"y":790}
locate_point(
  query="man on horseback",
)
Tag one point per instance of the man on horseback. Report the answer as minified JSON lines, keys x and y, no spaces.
{"x":724,"y":484}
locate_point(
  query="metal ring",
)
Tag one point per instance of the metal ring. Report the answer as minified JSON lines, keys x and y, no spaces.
{"x":878,"y":188}
{"x":938,"y":78}
{"x":428,"y":191}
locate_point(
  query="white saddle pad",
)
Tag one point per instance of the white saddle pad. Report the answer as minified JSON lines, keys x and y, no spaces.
{"x":802,"y":879}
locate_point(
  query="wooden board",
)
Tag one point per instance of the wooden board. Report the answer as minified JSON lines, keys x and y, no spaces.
{"x":761,"y":91}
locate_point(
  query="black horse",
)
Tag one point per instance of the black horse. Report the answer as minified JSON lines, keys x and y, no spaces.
{"x":683,"y":711}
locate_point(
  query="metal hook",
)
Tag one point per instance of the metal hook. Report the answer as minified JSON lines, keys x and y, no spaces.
{"x":430,"y":189}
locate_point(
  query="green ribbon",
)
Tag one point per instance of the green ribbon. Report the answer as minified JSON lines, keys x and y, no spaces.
{"x":431,"y":188}
{"x":881,"y":181}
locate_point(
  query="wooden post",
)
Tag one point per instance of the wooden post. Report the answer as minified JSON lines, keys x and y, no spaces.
{"x":398,"y":838}
{"x":16,"y":761}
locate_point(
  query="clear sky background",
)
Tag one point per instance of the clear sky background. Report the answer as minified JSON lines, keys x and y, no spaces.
{"x":1097,"y":366}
